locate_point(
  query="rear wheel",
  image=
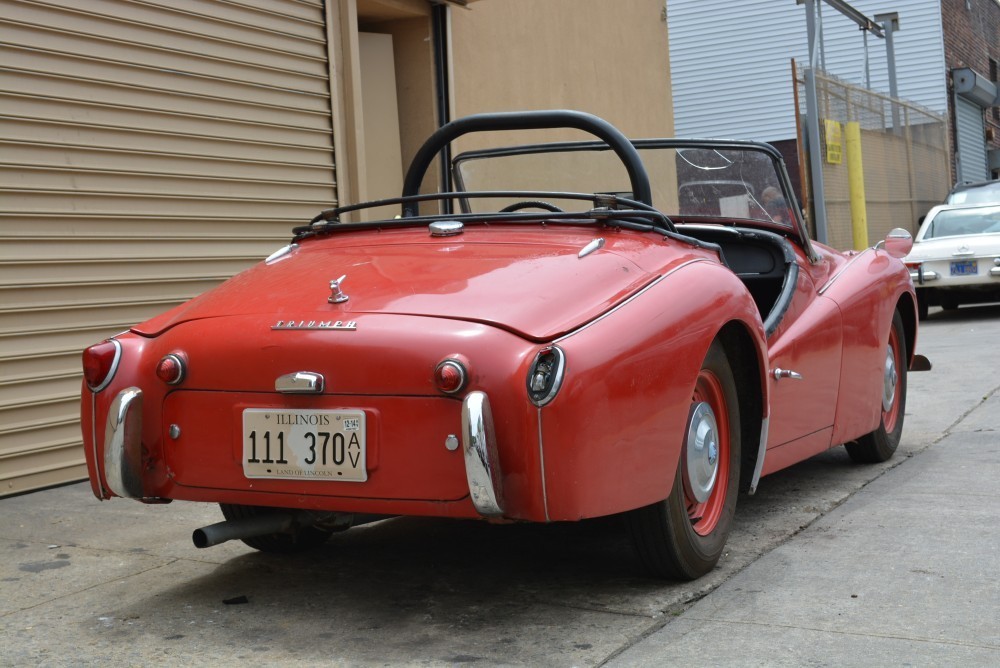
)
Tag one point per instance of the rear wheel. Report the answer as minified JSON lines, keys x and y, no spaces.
{"x":683,"y":536}
{"x":303,"y":539}
{"x":879,"y":445}
{"x":922,"y":305}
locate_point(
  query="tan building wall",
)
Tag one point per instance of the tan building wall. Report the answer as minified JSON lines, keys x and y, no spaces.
{"x":151,"y":150}
{"x":606,"y":58}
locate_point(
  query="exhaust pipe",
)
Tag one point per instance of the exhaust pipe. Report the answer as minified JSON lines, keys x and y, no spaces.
{"x":248,"y":527}
{"x":280,"y":521}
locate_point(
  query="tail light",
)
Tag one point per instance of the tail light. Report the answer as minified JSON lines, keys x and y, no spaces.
{"x":171,"y":369}
{"x":100,"y":362}
{"x":546,"y":375}
{"x":450,"y":376}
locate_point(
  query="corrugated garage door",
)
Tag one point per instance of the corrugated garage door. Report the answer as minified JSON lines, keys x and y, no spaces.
{"x":148,"y":150}
{"x":971,"y":141}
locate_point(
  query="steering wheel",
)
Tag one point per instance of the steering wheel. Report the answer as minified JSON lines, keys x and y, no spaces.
{"x":531,"y":204}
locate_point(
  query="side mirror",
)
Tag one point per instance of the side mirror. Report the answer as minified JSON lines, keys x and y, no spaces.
{"x":898,"y":243}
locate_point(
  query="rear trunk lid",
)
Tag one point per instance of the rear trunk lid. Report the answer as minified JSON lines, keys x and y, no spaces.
{"x":532,"y":284}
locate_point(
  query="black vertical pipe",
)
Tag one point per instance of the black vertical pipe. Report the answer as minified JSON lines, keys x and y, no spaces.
{"x":439,"y":24}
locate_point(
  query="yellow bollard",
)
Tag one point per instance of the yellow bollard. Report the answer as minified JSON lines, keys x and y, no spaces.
{"x":856,"y":185}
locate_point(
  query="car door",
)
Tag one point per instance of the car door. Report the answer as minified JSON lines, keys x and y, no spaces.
{"x":805,"y":354}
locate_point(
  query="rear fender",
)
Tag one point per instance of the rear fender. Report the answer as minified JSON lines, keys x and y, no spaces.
{"x":610,"y":441}
{"x":869,"y":291}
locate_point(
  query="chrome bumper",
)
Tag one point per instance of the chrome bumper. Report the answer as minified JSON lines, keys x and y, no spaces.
{"x":123,"y":444}
{"x":482,"y":461}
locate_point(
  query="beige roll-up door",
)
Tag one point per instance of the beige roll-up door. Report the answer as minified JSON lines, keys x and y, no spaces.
{"x":149,"y":149}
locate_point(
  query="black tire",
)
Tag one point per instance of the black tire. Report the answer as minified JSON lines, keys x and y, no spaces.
{"x":881,"y":444}
{"x":922,"y":305}
{"x":671,"y":540}
{"x":304,"y":539}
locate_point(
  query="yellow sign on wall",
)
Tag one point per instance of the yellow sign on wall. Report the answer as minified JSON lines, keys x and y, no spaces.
{"x":834,"y":145}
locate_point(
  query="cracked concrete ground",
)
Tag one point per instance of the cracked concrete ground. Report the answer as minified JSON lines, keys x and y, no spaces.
{"x":830,"y":563}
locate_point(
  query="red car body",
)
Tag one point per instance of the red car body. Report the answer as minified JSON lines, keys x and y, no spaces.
{"x":439,"y":338}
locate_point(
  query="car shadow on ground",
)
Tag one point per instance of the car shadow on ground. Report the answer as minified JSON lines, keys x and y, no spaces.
{"x":473,"y":582}
{"x":969,"y":312}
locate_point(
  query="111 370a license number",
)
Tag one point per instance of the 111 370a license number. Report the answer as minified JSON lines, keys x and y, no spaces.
{"x":304,"y":444}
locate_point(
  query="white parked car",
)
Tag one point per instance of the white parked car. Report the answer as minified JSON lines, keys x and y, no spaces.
{"x":956,"y":256}
{"x":982,"y":192}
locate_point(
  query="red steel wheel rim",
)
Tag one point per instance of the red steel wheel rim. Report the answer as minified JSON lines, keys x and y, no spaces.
{"x":705,"y":516}
{"x":890,"y":416}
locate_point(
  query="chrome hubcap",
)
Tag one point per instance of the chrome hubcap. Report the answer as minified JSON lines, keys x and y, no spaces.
{"x":701,"y":453}
{"x":889,"y":380}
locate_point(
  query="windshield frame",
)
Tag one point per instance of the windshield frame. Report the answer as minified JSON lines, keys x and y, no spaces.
{"x":796,"y":228}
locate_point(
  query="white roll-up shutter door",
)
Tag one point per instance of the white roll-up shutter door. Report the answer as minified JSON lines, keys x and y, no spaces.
{"x":149,"y":149}
{"x":971,"y":141}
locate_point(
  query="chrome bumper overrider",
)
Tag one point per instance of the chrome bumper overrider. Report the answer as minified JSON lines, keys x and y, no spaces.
{"x":482,"y":461}
{"x":123,"y":444}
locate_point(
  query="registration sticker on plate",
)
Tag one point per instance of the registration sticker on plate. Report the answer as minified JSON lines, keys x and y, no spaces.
{"x":964,"y":268}
{"x":304,"y":444}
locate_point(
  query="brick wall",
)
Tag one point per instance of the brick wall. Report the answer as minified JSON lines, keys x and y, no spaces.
{"x":972,"y":39}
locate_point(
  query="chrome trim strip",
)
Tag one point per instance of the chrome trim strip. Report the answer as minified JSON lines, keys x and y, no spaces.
{"x":282,"y":252}
{"x":594,"y":245}
{"x":446,"y":228}
{"x":629,"y":300}
{"x":541,"y":461}
{"x":482,"y":459}
{"x":995,"y":271}
{"x":300,"y":382}
{"x":761,"y":451}
{"x":123,"y":444}
{"x":854,"y":259}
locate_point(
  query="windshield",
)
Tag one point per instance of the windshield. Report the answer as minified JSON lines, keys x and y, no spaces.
{"x":958,"y":222}
{"x":723,"y":182}
{"x":988,"y":193}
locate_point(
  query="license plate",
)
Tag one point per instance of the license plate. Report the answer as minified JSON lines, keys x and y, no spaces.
{"x":304,"y":445}
{"x":964,"y":268}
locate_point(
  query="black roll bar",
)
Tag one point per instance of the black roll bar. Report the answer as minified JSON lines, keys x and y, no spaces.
{"x":527,"y":120}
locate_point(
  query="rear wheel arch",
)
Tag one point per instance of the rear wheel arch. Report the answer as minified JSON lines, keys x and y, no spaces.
{"x":907,"y":309}
{"x":749,"y":371}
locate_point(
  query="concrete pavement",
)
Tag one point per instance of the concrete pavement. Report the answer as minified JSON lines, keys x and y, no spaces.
{"x":904,"y":573}
{"x":829,"y":564}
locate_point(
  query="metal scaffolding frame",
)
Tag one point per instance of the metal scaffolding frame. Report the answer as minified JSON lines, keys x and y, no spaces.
{"x":882,"y":26}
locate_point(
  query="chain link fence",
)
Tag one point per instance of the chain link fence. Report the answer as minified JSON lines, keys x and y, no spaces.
{"x":904,"y":150}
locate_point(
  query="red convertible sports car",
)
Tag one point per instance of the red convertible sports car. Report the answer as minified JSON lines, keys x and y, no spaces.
{"x":574,"y":330}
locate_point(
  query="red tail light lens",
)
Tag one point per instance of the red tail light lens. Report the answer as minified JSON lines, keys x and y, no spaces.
{"x":450,"y":376}
{"x":100,"y":363}
{"x":171,"y":369}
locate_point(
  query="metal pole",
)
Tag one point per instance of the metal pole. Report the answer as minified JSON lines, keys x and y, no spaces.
{"x":812,"y":129}
{"x":890,"y":24}
{"x":868,"y":69}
